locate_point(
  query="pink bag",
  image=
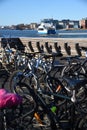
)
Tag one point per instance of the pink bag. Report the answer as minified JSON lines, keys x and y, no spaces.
{"x":8,"y":99}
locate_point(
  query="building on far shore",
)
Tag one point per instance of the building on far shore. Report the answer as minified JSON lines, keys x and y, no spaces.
{"x":63,"y":24}
{"x":83,"y":23}
{"x":59,"y":24}
{"x":33,"y":25}
{"x":66,"y":24}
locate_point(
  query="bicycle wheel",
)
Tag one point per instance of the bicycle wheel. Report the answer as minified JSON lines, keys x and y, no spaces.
{"x":28,"y":106}
{"x":41,"y":119}
{"x":19,"y":76}
{"x":40,"y":122}
{"x":73,"y":71}
{"x":82,"y":123}
{"x":14,"y":79}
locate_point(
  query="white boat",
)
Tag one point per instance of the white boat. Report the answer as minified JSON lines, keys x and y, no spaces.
{"x":46,"y":28}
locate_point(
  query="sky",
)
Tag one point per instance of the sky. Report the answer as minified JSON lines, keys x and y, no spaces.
{"x":13,"y":12}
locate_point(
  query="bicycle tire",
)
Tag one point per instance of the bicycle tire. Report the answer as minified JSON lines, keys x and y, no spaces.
{"x":70,"y":71}
{"x":47,"y":122}
{"x":82,"y":123}
{"x":28,"y":107}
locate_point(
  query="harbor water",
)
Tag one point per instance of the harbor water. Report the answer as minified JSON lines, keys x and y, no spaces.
{"x":34,"y":33}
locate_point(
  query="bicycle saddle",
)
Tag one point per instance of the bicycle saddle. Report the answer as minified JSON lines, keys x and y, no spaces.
{"x":8,"y":100}
{"x":84,"y":48}
{"x":74,"y":83}
{"x":69,"y":58}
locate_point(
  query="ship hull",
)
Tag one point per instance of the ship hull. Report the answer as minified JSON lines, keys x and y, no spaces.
{"x":47,"y":31}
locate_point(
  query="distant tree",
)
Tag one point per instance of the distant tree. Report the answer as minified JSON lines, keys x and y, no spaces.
{"x":20,"y":27}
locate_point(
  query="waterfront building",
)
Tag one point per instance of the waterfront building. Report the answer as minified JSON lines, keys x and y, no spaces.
{"x":73,"y":24}
{"x":33,"y":25}
{"x":83,"y":23}
{"x":66,"y":24}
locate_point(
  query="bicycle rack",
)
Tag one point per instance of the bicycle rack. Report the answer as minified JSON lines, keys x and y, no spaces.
{"x":67,"y":48}
{"x":78,"y":49}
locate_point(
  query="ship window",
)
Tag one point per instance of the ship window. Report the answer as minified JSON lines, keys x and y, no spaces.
{"x":40,"y":28}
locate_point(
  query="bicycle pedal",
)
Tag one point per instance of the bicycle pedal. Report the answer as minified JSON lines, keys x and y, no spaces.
{"x":38,"y":125}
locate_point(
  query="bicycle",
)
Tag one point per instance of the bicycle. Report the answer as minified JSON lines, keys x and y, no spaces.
{"x":64,"y":118}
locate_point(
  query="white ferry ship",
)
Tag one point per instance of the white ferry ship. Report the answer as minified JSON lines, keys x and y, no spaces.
{"x":46,"y":28}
